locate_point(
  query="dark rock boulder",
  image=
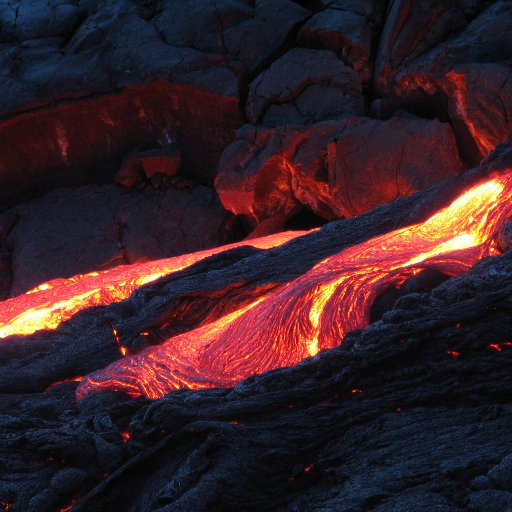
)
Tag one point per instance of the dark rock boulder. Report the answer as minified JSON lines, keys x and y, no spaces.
{"x":480,"y":107}
{"x":7,"y":222}
{"x":270,"y":172}
{"x":249,"y":32}
{"x":376,"y":161}
{"x":70,"y":232}
{"x":73,"y":106}
{"x":38,"y":19}
{"x":85,"y":141}
{"x":304,"y":86}
{"x":346,"y":33}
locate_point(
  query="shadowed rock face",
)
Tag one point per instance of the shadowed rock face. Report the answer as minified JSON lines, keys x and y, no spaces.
{"x":332,"y":107}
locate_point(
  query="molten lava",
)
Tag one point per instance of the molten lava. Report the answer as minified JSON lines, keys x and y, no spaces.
{"x":316,"y":310}
{"x":51,"y":303}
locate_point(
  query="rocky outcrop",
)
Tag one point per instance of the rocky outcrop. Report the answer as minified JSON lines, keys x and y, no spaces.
{"x":85,"y":141}
{"x":452,"y":60}
{"x":302,"y":87}
{"x":335,"y":169}
{"x":349,"y":34}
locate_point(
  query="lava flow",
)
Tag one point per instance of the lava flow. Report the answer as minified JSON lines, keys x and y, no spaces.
{"x":51,"y":303}
{"x":316,"y":310}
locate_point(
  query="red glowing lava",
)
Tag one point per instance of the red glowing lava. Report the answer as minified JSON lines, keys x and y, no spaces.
{"x":316,"y":310}
{"x":51,"y":303}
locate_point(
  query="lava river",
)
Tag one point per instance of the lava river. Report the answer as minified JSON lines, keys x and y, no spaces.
{"x":316,"y":310}
{"x":51,"y":303}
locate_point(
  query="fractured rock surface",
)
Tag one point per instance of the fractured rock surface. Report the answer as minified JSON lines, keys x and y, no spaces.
{"x":340,"y":168}
{"x":304,"y":86}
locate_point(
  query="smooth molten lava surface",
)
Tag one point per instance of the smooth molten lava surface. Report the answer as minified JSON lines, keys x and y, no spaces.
{"x":49,"y":304}
{"x":316,"y":310}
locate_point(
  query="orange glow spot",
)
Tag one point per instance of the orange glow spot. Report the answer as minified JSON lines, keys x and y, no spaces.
{"x":457,"y":326}
{"x":122,"y":350}
{"x":483,"y":140}
{"x":125,"y":436}
{"x":354,"y":391}
{"x":316,"y":310}
{"x":68,"y":507}
{"x":307,"y":469}
{"x":78,"y":378}
{"x":5,"y":505}
{"x":453,"y":353}
{"x":495,"y":346}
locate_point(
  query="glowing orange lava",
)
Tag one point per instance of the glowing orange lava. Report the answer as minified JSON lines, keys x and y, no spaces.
{"x":49,"y":304}
{"x":316,"y":310}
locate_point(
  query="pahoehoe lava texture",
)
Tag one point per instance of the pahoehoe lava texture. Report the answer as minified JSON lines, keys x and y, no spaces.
{"x":132,"y":130}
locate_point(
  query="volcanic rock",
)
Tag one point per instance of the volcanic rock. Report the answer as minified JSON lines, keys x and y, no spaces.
{"x":143,"y":166}
{"x":304,"y":86}
{"x":345,"y":33}
{"x":374,"y":162}
{"x":336,"y":169}
{"x":249,"y":32}
{"x":504,"y":238}
{"x":74,"y":106}
{"x":411,"y":412}
{"x":501,"y":474}
{"x":70,"y":232}
{"x":260,"y":173}
{"x":422,"y":68}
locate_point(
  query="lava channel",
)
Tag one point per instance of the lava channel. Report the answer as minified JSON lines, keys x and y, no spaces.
{"x":316,"y":310}
{"x":51,"y":303}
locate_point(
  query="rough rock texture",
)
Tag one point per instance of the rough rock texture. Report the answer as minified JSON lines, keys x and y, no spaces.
{"x":139,"y":168}
{"x":377,"y":161}
{"x":391,"y":420}
{"x":81,"y":141}
{"x":450,"y":58}
{"x":68,"y":232}
{"x":86,"y":83}
{"x":346,"y":33}
{"x":336,"y":169}
{"x":247,"y":31}
{"x":304,"y":86}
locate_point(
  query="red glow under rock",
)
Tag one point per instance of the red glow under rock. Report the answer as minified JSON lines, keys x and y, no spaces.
{"x":316,"y":310}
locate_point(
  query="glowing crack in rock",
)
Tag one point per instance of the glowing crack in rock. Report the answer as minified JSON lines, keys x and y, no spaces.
{"x":316,"y":310}
{"x":51,"y":303}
